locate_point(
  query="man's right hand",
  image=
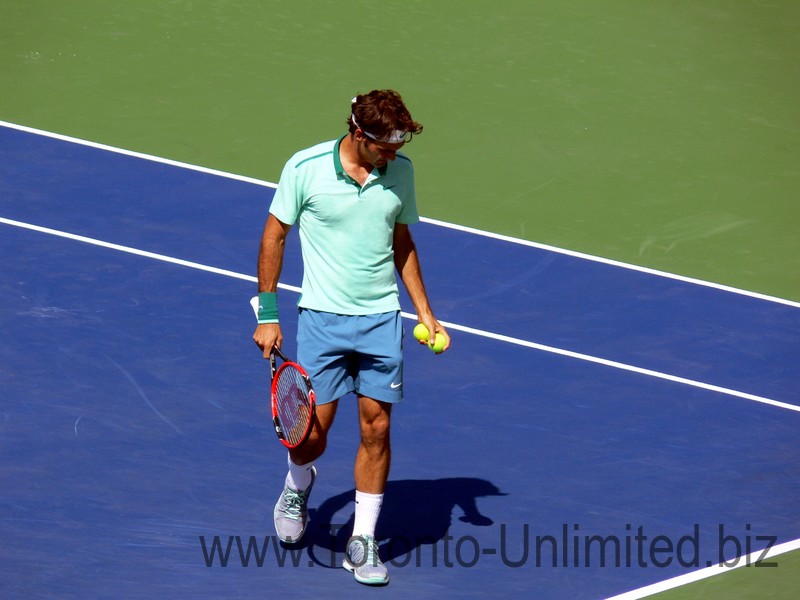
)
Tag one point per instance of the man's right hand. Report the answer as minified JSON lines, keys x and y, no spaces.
{"x":268,"y":335}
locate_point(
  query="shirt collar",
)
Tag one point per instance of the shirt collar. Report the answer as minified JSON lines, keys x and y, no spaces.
{"x":337,"y":162}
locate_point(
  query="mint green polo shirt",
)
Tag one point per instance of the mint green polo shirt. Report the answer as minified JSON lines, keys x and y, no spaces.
{"x":346,"y":230}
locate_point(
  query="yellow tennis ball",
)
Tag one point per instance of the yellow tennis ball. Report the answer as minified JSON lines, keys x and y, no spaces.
{"x":438,"y":344}
{"x":421,"y":332}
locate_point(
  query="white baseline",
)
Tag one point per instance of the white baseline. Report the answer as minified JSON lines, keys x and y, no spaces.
{"x":471,"y":230}
{"x":670,"y":584}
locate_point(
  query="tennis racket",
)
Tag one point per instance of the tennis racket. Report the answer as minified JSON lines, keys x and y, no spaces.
{"x":293,"y":400}
{"x":292,"y":397}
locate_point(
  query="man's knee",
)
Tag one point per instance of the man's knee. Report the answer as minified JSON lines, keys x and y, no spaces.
{"x":375,"y":420}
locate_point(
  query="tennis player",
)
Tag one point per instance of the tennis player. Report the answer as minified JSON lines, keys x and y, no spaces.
{"x":353,"y":200}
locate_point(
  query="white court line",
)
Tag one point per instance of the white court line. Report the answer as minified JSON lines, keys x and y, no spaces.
{"x":632,"y":595}
{"x":150,"y":157}
{"x":453,"y":326}
{"x":462,"y":228}
{"x":694,"y":576}
{"x":614,"y":263}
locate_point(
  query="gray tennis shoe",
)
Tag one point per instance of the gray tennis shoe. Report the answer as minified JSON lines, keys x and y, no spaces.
{"x":291,"y":512}
{"x":361,"y":559}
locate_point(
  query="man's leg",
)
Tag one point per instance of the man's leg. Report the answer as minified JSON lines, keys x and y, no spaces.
{"x":374,"y":452}
{"x":315,"y":445}
{"x":371,"y":472}
{"x":291,"y":511}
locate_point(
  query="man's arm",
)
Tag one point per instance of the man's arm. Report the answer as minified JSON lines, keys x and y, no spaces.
{"x":270,"y":263}
{"x":407,"y":264}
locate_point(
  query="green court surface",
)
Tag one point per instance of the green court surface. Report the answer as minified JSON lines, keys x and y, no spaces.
{"x":663,"y":134}
{"x":776,"y":583}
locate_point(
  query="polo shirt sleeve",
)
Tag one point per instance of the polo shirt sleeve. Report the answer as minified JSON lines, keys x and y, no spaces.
{"x":288,"y":199}
{"x":408,"y":214}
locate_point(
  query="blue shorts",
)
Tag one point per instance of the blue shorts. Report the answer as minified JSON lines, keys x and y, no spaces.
{"x":352,"y":353}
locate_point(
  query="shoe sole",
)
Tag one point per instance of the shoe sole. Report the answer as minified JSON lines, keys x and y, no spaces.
{"x":366,"y":581}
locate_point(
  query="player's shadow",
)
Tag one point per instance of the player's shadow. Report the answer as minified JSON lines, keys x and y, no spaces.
{"x":414,"y":512}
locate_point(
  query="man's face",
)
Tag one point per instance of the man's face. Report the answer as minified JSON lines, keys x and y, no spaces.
{"x":374,"y":152}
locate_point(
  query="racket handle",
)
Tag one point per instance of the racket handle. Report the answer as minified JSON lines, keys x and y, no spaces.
{"x":276,"y":350}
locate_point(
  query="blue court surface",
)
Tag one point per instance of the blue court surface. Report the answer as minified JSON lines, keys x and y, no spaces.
{"x":587,"y":413}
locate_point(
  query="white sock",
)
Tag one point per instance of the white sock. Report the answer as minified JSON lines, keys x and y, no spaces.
{"x":299,"y":476}
{"x":368,"y":507}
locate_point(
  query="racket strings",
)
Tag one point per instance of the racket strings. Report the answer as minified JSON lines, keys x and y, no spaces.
{"x":294,"y":407}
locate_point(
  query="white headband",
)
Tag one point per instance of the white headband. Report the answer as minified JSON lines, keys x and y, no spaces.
{"x":398,"y":136}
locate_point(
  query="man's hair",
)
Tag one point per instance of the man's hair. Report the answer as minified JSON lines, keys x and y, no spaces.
{"x":380,"y":113}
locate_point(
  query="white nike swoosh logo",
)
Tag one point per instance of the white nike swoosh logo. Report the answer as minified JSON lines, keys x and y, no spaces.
{"x":394,"y":386}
